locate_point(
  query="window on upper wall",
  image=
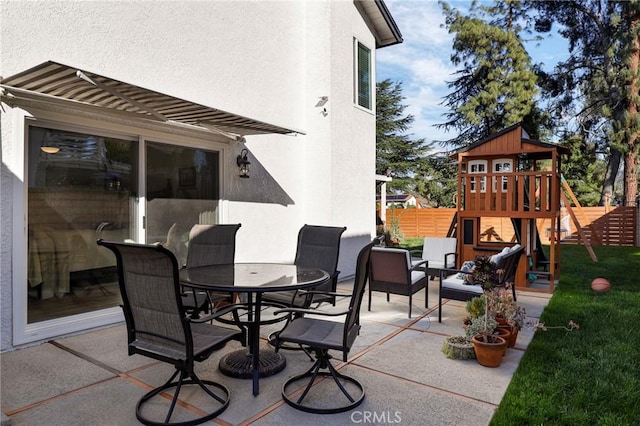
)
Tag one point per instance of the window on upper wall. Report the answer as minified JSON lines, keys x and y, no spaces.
{"x":502,"y":165}
{"x":478,"y":167}
{"x":364,"y":80}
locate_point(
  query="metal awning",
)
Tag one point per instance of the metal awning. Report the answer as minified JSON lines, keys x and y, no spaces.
{"x":62,"y":81}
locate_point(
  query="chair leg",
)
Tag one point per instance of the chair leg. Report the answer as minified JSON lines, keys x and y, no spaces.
{"x":185,"y":378}
{"x":410,"y":304}
{"x":322,"y":363}
{"x":426,"y":297}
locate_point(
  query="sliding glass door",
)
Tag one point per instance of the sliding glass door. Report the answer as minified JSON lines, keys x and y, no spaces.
{"x":81,"y":187}
{"x":86,"y":185}
{"x":182,"y":190}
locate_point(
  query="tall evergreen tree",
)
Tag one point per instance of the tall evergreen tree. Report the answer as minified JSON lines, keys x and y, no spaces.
{"x":496,"y":85}
{"x":597,"y":86}
{"x":583,"y":173}
{"x":396,"y":151}
{"x":438,"y":183}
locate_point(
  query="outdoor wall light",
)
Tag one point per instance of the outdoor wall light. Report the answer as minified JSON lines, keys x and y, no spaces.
{"x":321,"y":104}
{"x":243,"y":163}
{"x":50,"y":149}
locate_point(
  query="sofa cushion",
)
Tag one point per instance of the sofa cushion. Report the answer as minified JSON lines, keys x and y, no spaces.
{"x":396,"y":250}
{"x":467,"y":266}
{"x":496,"y":258}
{"x":434,"y":250}
{"x":452,"y":282}
{"x":417,"y":276}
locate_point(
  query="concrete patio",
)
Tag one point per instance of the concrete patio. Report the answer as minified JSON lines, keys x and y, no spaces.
{"x":88,"y":379}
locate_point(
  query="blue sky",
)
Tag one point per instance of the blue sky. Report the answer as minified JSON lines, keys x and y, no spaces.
{"x":422,"y":61}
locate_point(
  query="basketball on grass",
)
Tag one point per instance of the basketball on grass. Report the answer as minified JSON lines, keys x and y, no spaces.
{"x":600,"y":285}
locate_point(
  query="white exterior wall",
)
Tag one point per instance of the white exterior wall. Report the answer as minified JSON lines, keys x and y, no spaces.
{"x":353,"y":136}
{"x":271,"y":61}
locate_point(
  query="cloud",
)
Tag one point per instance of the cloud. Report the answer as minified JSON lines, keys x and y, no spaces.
{"x":422,"y":62}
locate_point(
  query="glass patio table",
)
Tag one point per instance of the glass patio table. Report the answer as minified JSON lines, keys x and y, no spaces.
{"x":253,"y":280}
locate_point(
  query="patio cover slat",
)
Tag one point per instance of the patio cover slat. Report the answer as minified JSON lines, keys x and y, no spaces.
{"x":62,"y":81}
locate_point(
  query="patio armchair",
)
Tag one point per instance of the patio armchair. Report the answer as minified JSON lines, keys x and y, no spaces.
{"x":439,"y":252}
{"x":322,"y":336}
{"x":209,"y":245}
{"x":453,"y":285}
{"x":318,"y":247}
{"x":392,"y":272}
{"x":158,"y":328}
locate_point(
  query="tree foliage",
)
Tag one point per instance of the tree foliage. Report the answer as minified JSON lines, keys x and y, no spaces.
{"x":438,"y":182}
{"x":496,"y":84}
{"x":396,"y":151}
{"x":583,"y":173}
{"x":413,"y":168}
{"x":591,"y":98}
{"x":594,"y":92}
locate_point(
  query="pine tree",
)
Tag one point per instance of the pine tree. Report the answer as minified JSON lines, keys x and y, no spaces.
{"x":496,"y":86}
{"x":438,"y":182}
{"x":598,"y":84}
{"x":396,"y":151}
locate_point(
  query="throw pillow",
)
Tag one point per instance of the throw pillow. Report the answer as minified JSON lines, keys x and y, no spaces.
{"x":496,"y":258}
{"x":467,"y":266}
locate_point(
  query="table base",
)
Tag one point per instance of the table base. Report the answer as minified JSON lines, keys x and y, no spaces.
{"x":239,"y":364}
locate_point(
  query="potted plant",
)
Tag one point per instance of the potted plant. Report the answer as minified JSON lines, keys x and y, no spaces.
{"x":393,"y":234}
{"x":458,"y":347}
{"x":509,"y":314}
{"x":489,"y":348}
{"x":475,"y":308}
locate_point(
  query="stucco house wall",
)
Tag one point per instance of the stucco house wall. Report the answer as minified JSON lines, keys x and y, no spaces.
{"x":271,"y":61}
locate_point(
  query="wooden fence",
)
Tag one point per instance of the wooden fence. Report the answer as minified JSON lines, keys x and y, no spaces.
{"x":613,"y":226}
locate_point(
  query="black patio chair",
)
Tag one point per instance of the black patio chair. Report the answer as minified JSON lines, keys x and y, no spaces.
{"x":209,"y":245}
{"x":157,"y":327}
{"x":454,"y":287}
{"x":392,"y":272}
{"x":318,"y":247}
{"x":322,"y":336}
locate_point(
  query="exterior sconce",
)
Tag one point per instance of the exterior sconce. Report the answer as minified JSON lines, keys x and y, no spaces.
{"x":320,"y":104}
{"x":50,"y":149}
{"x":243,"y":163}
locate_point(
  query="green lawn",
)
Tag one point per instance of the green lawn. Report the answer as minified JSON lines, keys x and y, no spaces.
{"x":590,"y":376}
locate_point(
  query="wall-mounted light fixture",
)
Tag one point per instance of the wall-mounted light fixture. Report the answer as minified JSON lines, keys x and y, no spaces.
{"x":243,"y":163}
{"x":321,"y":104}
{"x":322,"y":100}
{"x":46,"y":144}
{"x":50,"y":149}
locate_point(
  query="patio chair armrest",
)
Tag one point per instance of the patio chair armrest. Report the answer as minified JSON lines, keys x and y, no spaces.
{"x":416,"y":253}
{"x":310,"y":312}
{"x":218,"y":313}
{"x":422,"y":265}
{"x":326,"y":293}
{"x":449,"y":271}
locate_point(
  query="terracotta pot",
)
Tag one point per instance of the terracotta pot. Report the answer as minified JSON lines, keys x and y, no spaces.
{"x":489,"y":354}
{"x":513,"y":335}
{"x":501,"y":320}
{"x":505,"y":333}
